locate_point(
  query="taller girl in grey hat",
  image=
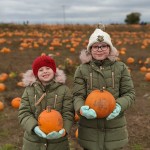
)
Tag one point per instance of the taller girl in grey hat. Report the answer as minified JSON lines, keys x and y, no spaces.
{"x":101,"y":70}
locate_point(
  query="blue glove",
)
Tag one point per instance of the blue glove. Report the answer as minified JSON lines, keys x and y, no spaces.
{"x":87,"y":112}
{"x":39,"y":132}
{"x":115,"y":113}
{"x":56,"y":135}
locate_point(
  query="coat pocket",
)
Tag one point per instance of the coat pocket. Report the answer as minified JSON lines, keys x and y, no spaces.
{"x":27,"y":145}
{"x":43,"y":144}
{"x":116,"y":138}
{"x":116,"y":134}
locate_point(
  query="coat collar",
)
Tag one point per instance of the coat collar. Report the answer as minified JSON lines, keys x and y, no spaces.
{"x":105,"y":62}
{"x":29,"y":78}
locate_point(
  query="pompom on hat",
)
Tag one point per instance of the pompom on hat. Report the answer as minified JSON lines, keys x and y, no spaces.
{"x":42,"y":61}
{"x":99,"y":35}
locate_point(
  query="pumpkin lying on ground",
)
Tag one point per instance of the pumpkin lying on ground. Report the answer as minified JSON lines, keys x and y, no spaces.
{"x":102,"y":102}
{"x":2,"y":87}
{"x":130,"y":60}
{"x":76,"y":118}
{"x":76,"y":133}
{"x":147,"y":76}
{"x":50,"y":120}
{"x":16,"y":102}
{"x":3,"y":76}
{"x":1,"y":105}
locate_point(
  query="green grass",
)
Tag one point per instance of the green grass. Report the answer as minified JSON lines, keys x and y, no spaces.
{"x":7,"y":147}
{"x":137,"y":147}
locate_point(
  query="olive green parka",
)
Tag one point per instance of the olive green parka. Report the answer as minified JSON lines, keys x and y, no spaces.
{"x":113,"y":76}
{"x":57,"y":95}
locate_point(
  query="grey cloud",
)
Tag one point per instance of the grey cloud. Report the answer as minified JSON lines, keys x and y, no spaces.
{"x":73,"y":11}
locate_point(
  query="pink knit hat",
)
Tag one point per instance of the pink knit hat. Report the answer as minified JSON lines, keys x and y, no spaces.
{"x":42,"y":61}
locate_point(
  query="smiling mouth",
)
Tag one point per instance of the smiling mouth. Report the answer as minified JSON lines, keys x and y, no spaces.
{"x":45,"y":76}
{"x":99,"y":54}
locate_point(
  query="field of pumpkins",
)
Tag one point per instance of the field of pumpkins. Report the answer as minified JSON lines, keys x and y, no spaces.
{"x":20,"y":44}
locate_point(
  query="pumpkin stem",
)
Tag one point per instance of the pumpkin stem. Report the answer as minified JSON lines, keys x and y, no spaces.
{"x":48,"y":108}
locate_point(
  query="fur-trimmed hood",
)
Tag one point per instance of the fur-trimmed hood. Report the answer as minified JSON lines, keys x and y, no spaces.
{"x":29,"y":78}
{"x":85,"y":56}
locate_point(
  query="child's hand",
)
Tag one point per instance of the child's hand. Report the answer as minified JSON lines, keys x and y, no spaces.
{"x":39,"y":132}
{"x":115,"y":113}
{"x":87,"y":112}
{"x":56,"y":135}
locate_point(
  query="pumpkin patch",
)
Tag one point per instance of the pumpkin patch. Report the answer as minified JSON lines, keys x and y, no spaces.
{"x":28,"y":41}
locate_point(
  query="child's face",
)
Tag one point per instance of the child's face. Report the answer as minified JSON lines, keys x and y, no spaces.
{"x":100,"y":50}
{"x":45,"y":74}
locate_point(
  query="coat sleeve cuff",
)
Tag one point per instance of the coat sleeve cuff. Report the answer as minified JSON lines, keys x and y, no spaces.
{"x":78,"y":105}
{"x":30,"y":124}
{"x":67,"y":125}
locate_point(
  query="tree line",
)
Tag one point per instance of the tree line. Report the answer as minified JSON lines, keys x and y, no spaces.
{"x":133,"y":18}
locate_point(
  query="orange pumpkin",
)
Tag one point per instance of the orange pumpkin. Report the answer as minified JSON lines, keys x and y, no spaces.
{"x":72,"y":49}
{"x":51,"y":48}
{"x":143,"y":69}
{"x":130,"y":60}
{"x":102,"y":102}
{"x":3,"y":76}
{"x":21,"y":84}
{"x":50,"y":120}
{"x":76,"y":133}
{"x":16,"y":102}
{"x":1,"y":105}
{"x":2,"y":87}
{"x":43,"y":54}
{"x":147,"y":76}
{"x":76,"y":118}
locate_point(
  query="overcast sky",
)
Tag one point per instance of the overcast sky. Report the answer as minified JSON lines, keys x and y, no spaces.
{"x":72,"y":11}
